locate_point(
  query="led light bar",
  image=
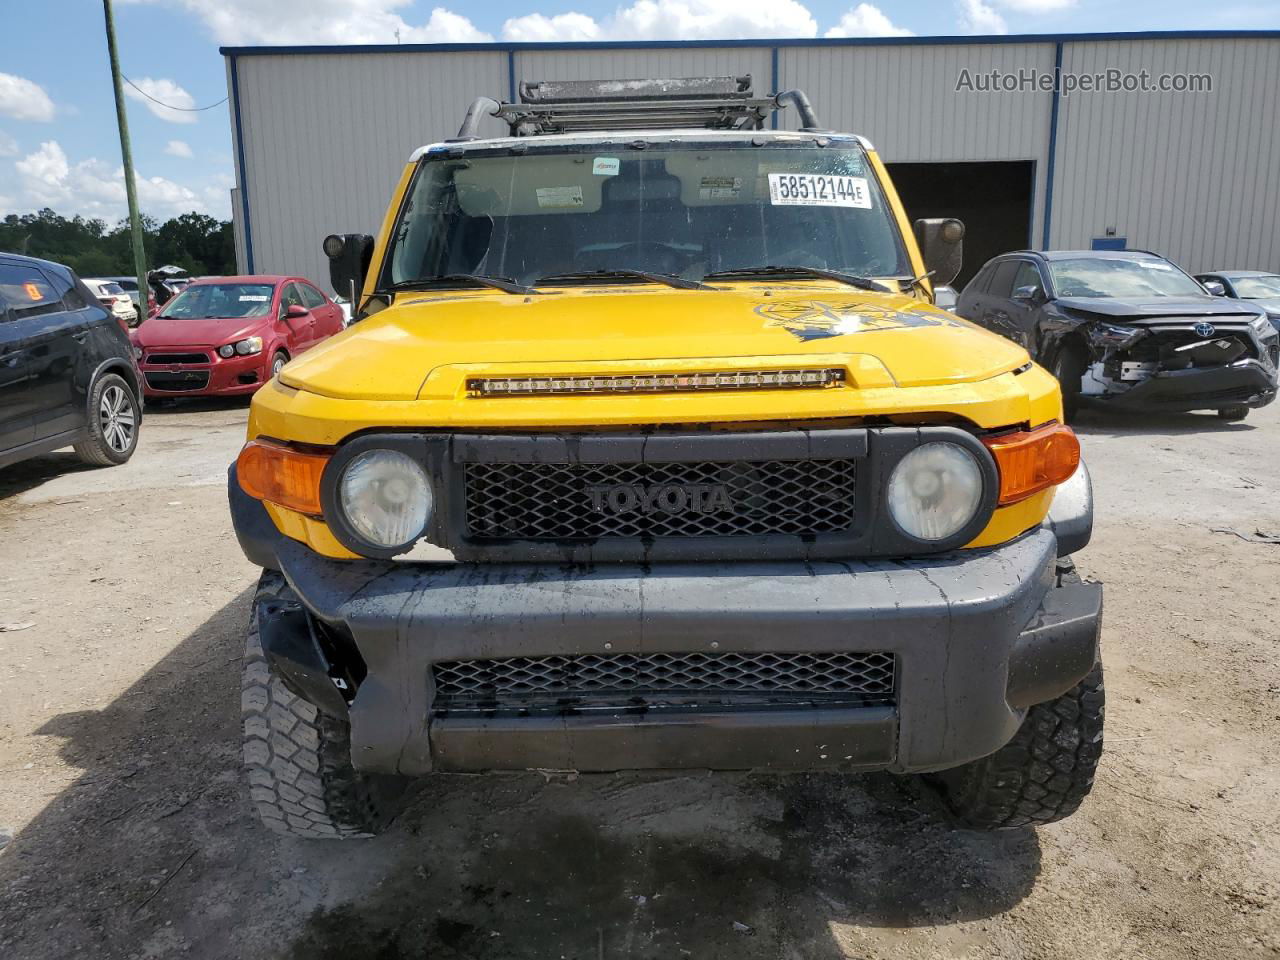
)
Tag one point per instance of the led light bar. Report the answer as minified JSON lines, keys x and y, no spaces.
{"x":656,"y":382}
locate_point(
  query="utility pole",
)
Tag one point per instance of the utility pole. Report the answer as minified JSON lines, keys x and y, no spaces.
{"x":126,"y":154}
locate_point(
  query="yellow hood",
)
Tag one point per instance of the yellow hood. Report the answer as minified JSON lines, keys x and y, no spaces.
{"x":427,"y":344}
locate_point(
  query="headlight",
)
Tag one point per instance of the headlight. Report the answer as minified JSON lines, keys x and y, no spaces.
{"x":1263,"y":325}
{"x":935,"y":490}
{"x":386,"y":498}
{"x":227,"y":350}
{"x":248,"y":346}
{"x":137,"y":354}
{"x":1115,"y":335}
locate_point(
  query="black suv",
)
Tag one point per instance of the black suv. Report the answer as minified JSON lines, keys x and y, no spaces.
{"x":1128,"y":327}
{"x":67,"y":376}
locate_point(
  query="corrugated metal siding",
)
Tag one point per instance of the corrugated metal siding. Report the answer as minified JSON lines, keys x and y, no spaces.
{"x":1191,"y":175}
{"x":237,"y":230}
{"x":904,"y":100}
{"x":326,"y":136}
{"x":639,"y":64}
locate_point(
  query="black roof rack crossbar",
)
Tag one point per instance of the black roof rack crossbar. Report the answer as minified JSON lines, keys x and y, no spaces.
{"x":568,"y":106}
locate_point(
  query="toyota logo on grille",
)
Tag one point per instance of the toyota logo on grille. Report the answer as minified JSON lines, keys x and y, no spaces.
{"x":1204,"y":329}
{"x":659,"y":498}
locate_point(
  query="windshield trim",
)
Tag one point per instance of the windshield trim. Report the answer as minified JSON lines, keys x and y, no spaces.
{"x":273,"y":289}
{"x":1053,"y":262}
{"x":385,"y":286}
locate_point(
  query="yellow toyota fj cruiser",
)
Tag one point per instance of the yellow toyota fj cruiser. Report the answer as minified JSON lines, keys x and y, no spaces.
{"x":649,"y":450}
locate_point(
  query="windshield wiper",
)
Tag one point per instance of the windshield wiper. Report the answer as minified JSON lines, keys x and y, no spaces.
{"x":506,"y":284}
{"x":670,"y":279}
{"x":862,"y":283}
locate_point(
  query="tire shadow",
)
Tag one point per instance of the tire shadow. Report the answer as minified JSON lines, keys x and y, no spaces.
{"x":153,"y":850}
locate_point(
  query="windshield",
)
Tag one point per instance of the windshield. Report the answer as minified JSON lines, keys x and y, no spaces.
{"x":1113,"y":277}
{"x":1257,"y":288}
{"x":687,"y":210}
{"x":110,"y":288}
{"x":230,"y":300}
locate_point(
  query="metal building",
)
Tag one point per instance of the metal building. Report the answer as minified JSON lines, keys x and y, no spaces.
{"x":322,"y":133}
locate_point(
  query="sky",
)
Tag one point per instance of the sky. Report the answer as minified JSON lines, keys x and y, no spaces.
{"x":58,"y":142}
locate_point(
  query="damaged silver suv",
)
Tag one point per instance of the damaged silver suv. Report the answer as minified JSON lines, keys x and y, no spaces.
{"x":1130,"y":328}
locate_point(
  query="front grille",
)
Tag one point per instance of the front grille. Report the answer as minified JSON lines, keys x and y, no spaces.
{"x":177,"y":358}
{"x":557,"y":501}
{"x":636,"y":679}
{"x":183,"y":380}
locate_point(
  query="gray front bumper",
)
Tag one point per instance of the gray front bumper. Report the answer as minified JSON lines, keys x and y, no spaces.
{"x":979,"y":635}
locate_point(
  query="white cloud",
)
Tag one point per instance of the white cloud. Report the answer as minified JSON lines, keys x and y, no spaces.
{"x":94,"y":188}
{"x":672,"y":20}
{"x":978,"y":18}
{"x":24,"y":100}
{"x":249,"y":22}
{"x":8,"y":145}
{"x":179,"y":148}
{"x":563,"y":27}
{"x":148,"y":91}
{"x":866,"y":20}
{"x":1036,"y":6}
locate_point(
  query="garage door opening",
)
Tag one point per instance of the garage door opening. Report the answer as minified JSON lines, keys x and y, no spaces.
{"x":995,"y":201}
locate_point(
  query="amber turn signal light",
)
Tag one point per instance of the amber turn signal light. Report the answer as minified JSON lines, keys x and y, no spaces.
{"x":1033,"y":460}
{"x":282,"y":474}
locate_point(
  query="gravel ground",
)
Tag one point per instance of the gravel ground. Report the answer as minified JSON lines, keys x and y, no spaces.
{"x":125,"y":833}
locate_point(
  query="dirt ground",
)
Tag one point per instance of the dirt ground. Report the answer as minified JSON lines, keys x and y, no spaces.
{"x":125,"y":832}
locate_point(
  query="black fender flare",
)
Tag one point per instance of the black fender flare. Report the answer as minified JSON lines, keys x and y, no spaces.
{"x":126,"y":370}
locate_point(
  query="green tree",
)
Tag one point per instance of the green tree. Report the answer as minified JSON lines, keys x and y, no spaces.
{"x":196,"y":242}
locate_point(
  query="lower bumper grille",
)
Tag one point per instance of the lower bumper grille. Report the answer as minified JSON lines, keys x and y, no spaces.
{"x":183,"y":380}
{"x":561,"y":501}
{"x":640,"y":679}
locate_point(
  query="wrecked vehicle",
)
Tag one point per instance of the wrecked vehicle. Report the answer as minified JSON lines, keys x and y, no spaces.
{"x":648,"y":450}
{"x":1130,"y":328}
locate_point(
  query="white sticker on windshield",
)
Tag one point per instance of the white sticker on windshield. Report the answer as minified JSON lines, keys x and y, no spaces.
{"x":818,"y":190}
{"x":1154,"y":265}
{"x":560,"y":197}
{"x":605,"y":166}
{"x":253,"y":298}
{"x":719,"y":188}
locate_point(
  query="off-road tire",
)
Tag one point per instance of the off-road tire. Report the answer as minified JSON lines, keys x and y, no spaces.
{"x":297,"y":760}
{"x":1234,"y":413}
{"x":1069,"y":366}
{"x":102,"y":445}
{"x":1042,"y":774}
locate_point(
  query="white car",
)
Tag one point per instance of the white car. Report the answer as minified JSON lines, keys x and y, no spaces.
{"x":112,"y":296}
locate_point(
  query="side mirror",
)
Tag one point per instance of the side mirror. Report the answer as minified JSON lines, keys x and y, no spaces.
{"x":1030,"y":293}
{"x":349,"y":256}
{"x":941,"y":241}
{"x":1215,"y":288}
{"x":296,"y":310}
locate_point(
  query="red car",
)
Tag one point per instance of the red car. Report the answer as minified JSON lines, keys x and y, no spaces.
{"x":226,"y":336}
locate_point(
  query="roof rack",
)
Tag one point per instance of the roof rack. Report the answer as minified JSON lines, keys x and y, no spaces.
{"x":568,"y":106}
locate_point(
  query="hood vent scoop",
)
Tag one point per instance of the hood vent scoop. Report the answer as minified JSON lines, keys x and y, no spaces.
{"x":656,"y":382}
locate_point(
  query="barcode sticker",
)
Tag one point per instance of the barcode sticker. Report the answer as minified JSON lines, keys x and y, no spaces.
{"x":818,"y":190}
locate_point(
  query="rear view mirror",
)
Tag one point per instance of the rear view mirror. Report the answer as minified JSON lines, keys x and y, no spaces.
{"x":941,"y":241}
{"x":296,"y":310}
{"x":349,"y":256}
{"x":1031,"y":293}
{"x":1215,"y":288}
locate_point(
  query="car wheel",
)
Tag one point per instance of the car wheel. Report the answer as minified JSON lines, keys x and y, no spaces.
{"x":1042,"y":774}
{"x":297,"y":759}
{"x":277,"y":363}
{"x":1069,"y":367}
{"x":1234,"y":413}
{"x":112,"y":435}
